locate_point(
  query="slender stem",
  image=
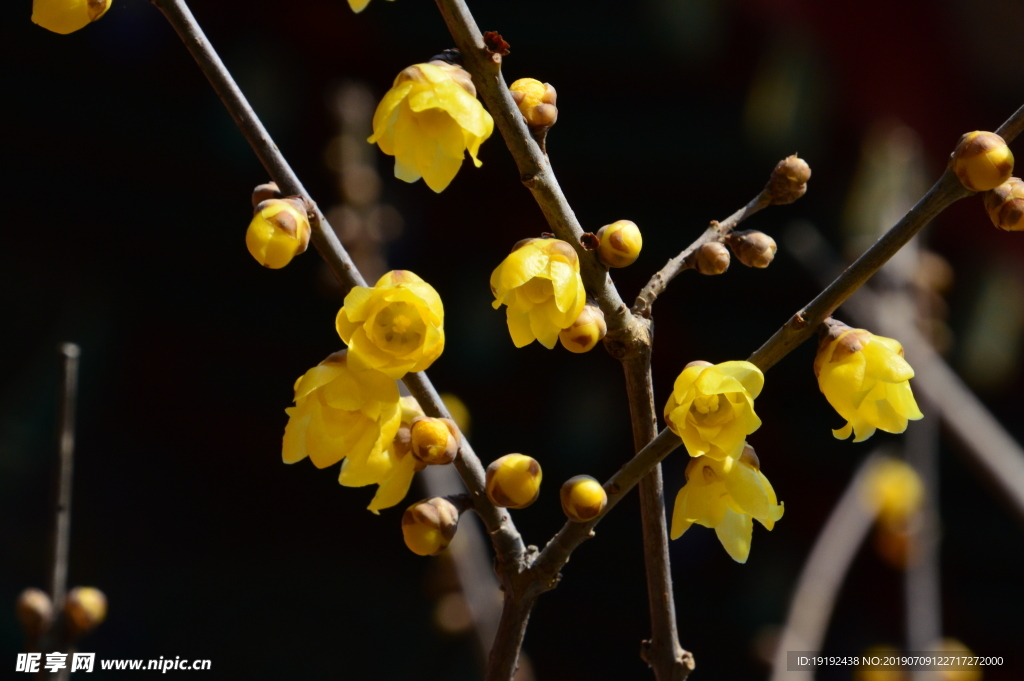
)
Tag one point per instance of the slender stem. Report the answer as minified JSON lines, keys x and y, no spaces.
{"x":818,"y":585}
{"x":673,"y":267}
{"x":507,"y":541}
{"x":504,"y":657}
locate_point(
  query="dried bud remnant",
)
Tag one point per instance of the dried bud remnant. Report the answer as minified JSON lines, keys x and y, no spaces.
{"x":495,"y":43}
{"x":435,"y":442}
{"x":263,"y":192}
{"x":752,"y":248}
{"x":982,"y":161}
{"x":583,"y":498}
{"x":86,"y":609}
{"x":429,"y":526}
{"x":536,"y":101}
{"x":513,"y":481}
{"x":710,"y":258}
{"x":620,"y":243}
{"x":586,"y":331}
{"x":35,"y":612}
{"x":1005,"y":205}
{"x":788,"y":181}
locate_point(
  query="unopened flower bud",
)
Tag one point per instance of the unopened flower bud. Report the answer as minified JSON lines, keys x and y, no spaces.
{"x":788,"y":181}
{"x":982,"y":161}
{"x":586,"y":331}
{"x":35,"y":612}
{"x":429,"y":526}
{"x":711,"y":258}
{"x":1005,"y":205}
{"x":620,"y":243}
{"x":583,"y":498}
{"x":752,"y":248}
{"x":86,"y":608}
{"x":513,"y":481}
{"x":264,"y":192}
{"x":435,"y":442}
{"x":278,"y":232}
{"x":67,"y":16}
{"x":536,"y":101}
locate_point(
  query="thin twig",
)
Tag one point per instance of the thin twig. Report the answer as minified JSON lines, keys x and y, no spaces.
{"x":673,"y":267}
{"x":818,"y":585}
{"x":507,"y":540}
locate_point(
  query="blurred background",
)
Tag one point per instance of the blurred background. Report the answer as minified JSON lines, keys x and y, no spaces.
{"x":128,"y":206}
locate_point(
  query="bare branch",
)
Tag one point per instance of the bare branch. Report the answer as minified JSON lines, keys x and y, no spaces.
{"x":506,"y":538}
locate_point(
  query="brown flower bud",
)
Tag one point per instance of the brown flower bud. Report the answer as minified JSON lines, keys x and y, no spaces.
{"x":435,"y":442}
{"x":35,"y":612}
{"x":1005,"y":205}
{"x":982,"y":161}
{"x":586,"y":331}
{"x":429,"y":526}
{"x":710,"y":258}
{"x":788,"y":181}
{"x":86,"y":608}
{"x":583,"y":498}
{"x":752,"y":248}
{"x":536,"y":101}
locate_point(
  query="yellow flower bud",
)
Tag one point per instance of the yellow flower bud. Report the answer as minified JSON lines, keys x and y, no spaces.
{"x":341,"y":413}
{"x":429,"y":526}
{"x":395,"y":327}
{"x":513,"y":481}
{"x":428,"y":120}
{"x":435,"y":442}
{"x":894,"y":491}
{"x":278,"y":232}
{"x":35,"y":612}
{"x":540,"y":284}
{"x":788,"y":181}
{"x":710,"y":258}
{"x":86,"y":608}
{"x":67,"y":16}
{"x":726,"y":495}
{"x":982,"y":161}
{"x":586,"y":331}
{"x":712,"y":407}
{"x":1005,"y":205}
{"x":394,"y":481}
{"x":536,"y":101}
{"x":865,"y":378}
{"x":752,"y":248}
{"x":619,"y":243}
{"x":583,"y":498}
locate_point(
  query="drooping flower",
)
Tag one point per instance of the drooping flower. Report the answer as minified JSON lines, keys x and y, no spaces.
{"x":726,"y":495}
{"x":67,"y":16}
{"x":540,"y":284}
{"x":712,"y":407}
{"x":428,"y":120}
{"x":865,"y":378}
{"x":395,"y":327}
{"x":394,"y":483}
{"x":341,"y":413}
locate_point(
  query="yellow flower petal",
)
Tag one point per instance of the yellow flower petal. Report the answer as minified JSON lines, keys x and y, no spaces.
{"x":735,"y":532}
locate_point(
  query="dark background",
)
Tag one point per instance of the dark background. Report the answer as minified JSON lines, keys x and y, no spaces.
{"x":127,"y":200}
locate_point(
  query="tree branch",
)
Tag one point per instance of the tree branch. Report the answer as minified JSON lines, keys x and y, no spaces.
{"x":506,"y":538}
{"x":673,"y":267}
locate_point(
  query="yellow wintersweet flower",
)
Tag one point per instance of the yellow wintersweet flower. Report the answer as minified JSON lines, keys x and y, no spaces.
{"x":428,"y":120}
{"x":395,"y":482}
{"x":395,"y":327}
{"x":726,"y":495}
{"x":540,"y":283}
{"x":67,"y":16}
{"x":712,"y":407}
{"x":340,"y":414}
{"x":865,"y":378}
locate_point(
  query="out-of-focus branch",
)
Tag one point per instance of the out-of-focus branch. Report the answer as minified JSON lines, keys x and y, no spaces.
{"x":822,"y":576}
{"x":986,"y":443}
{"x":507,"y":542}
{"x":673,"y":267}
